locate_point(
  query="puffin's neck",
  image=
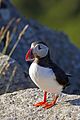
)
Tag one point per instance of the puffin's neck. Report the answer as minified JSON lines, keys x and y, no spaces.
{"x":44,"y":62}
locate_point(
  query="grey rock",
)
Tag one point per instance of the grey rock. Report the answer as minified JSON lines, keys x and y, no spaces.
{"x":12,"y":77}
{"x":62,"y":51}
{"x":19,"y":106}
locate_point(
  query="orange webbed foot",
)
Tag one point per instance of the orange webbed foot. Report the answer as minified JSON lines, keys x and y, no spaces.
{"x":43,"y":102}
{"x":40,"y":104}
{"x":51,"y":104}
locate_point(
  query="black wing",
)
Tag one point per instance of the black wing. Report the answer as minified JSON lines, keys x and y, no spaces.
{"x":61,"y":77}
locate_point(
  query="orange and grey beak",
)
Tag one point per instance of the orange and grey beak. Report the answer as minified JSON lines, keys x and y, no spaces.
{"x":29,"y":55}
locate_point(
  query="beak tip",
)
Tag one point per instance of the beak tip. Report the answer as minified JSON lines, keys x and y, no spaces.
{"x":28,"y":54}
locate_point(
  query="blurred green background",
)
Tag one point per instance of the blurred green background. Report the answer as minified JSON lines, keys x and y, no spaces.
{"x":63,"y":15}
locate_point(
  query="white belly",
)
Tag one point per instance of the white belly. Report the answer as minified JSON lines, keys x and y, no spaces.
{"x":44,"y":78}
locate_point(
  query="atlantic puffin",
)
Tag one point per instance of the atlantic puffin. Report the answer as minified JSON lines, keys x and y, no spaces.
{"x":47,"y":75}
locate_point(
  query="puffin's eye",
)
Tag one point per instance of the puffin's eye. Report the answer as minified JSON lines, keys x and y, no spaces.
{"x":39,"y":47}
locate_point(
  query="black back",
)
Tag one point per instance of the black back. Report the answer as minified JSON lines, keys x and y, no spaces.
{"x":61,"y":77}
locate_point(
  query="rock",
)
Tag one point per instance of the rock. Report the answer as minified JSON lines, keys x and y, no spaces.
{"x":12,"y":77}
{"x":19,"y":106}
{"x":62,"y":51}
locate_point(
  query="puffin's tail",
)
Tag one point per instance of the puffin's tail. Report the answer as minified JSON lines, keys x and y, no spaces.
{"x":68,"y":75}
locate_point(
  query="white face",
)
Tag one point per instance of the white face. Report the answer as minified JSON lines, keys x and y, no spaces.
{"x":40,"y":50}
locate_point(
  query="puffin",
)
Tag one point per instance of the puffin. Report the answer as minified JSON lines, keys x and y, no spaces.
{"x":46,"y":74}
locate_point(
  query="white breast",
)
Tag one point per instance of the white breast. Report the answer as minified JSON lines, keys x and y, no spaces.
{"x":44,"y":78}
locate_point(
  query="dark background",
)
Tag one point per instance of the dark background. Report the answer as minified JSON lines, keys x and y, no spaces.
{"x":63,"y":15}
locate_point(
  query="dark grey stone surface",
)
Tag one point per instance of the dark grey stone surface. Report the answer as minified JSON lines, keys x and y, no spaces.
{"x":12,"y":77}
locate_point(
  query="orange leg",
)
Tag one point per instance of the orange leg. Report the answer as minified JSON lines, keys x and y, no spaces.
{"x":52,"y":103}
{"x":43,"y":102}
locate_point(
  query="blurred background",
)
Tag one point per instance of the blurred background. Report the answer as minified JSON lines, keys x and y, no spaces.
{"x":63,"y":15}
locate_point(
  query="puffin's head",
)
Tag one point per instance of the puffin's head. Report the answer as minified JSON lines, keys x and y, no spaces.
{"x":37,"y":50}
